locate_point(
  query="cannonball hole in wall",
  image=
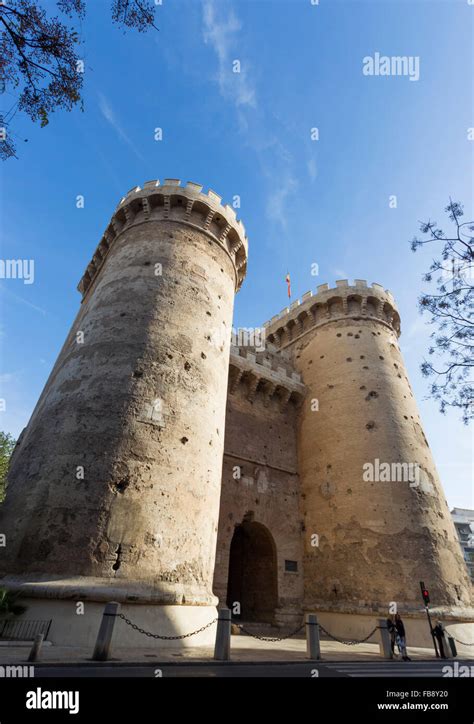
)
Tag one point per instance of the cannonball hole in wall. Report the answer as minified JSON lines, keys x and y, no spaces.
{"x":372,"y":395}
{"x":118,"y":553}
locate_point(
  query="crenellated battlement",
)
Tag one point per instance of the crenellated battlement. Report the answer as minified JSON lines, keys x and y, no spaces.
{"x":265,"y":374}
{"x":270,"y":358}
{"x":169,"y":201}
{"x":358,"y":301}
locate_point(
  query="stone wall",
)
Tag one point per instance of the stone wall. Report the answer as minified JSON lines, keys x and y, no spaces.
{"x":259,"y":481}
{"x":117,"y":476}
{"x":377,"y":538}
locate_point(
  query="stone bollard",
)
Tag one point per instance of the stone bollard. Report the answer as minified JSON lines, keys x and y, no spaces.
{"x":385,"y":643}
{"x":104,"y":637}
{"x":313,"y":649}
{"x":36,"y":648}
{"x":222,"y":647}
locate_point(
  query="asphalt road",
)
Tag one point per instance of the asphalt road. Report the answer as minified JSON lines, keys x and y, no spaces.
{"x":378,"y":669}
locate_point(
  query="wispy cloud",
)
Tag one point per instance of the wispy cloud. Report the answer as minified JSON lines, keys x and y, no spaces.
{"x":109,"y":115}
{"x":277,"y":205}
{"x":17,"y":298}
{"x":221,"y":31}
{"x":312,"y":169}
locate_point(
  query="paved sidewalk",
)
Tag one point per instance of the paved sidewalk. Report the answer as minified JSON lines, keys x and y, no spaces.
{"x":244,"y":648}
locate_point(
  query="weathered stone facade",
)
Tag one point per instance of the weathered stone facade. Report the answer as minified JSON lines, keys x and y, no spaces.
{"x":260,"y":488}
{"x":155,"y":444}
{"x":357,"y":542}
{"x":114,"y":486}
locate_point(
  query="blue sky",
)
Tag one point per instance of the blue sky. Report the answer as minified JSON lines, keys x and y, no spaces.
{"x":249,"y":134}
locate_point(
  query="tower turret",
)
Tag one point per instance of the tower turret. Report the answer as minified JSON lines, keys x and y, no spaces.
{"x":376,"y":519}
{"x":115,"y":483}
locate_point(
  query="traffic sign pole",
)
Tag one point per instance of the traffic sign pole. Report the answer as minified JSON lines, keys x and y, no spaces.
{"x":426,"y":599}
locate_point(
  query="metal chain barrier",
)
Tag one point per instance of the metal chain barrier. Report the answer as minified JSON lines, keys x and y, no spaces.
{"x":268,"y":638}
{"x":271,"y":639}
{"x":348,"y":642}
{"x":164,"y":638}
{"x":462,"y":642}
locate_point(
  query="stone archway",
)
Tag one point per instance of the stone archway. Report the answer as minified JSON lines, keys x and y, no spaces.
{"x":253,"y":579}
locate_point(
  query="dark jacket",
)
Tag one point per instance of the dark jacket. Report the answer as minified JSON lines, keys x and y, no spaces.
{"x":400,"y":628}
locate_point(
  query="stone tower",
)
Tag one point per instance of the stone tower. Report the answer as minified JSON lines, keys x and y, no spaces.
{"x":115,"y":483}
{"x":370,"y":535}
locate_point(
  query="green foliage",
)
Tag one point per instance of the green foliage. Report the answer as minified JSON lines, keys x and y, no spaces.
{"x":450,"y":307}
{"x":7,"y":443}
{"x":9,"y":605}
{"x":41,"y":55}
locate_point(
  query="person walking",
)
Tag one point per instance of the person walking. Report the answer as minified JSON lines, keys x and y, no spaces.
{"x":439,"y":632}
{"x":392,"y":631}
{"x":401,"y":637}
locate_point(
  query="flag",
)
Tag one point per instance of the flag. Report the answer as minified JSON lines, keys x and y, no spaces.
{"x":288,"y":281}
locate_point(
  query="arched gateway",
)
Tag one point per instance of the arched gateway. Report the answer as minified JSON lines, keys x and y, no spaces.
{"x":252,"y":577}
